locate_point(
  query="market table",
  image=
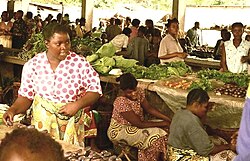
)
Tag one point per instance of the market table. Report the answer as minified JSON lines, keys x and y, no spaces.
{"x":196,"y":62}
{"x":226,"y":113}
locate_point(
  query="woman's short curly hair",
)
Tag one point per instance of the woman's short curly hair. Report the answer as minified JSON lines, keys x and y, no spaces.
{"x":53,"y":28}
{"x":127,"y":81}
{"x":35,"y":142}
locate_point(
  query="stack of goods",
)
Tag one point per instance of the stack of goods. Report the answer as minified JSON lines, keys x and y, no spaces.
{"x":88,"y":155}
{"x":231,"y":90}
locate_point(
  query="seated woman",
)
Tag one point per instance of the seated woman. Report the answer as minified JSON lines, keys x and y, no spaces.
{"x":187,"y":139}
{"x":129,"y":127}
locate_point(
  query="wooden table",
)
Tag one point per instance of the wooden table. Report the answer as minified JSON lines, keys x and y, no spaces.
{"x":202,"y":63}
{"x":226,"y":113}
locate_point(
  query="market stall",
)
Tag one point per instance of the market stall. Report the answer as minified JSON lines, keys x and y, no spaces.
{"x":225,"y":114}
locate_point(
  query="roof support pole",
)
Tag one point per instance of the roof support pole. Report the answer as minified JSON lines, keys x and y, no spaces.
{"x":178,"y":11}
{"x":87,"y":12}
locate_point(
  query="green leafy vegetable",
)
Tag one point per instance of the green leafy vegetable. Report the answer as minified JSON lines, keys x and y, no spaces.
{"x":92,"y":58}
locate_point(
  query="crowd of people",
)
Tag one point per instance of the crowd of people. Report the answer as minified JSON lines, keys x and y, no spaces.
{"x":58,"y":86}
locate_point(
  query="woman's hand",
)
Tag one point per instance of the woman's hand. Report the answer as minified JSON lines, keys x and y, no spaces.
{"x":70,"y":109}
{"x":232,"y":147}
{"x":8,"y":117}
{"x":234,"y":138}
{"x":166,"y":124}
{"x":244,"y":59}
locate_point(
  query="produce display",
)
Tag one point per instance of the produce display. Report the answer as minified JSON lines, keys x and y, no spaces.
{"x":240,"y":79}
{"x":88,"y":155}
{"x":180,"y":84}
{"x":33,"y":46}
{"x":104,"y":62}
{"x":84,"y":46}
{"x":157,"y":72}
{"x":231,"y":90}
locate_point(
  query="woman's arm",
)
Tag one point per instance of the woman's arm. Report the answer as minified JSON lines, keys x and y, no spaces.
{"x":153,"y":111}
{"x":21,"y":105}
{"x":219,"y":148}
{"x":223,"y":59}
{"x":172,"y":55}
{"x":135,"y":120}
{"x":88,"y":99}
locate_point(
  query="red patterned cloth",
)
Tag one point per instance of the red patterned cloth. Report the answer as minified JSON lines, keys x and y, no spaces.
{"x":73,"y":77}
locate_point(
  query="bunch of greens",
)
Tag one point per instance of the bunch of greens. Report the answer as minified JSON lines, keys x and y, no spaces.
{"x":33,"y":46}
{"x":121,"y":62}
{"x":157,"y":72}
{"x":85,"y":46}
{"x":105,"y":64}
{"x":240,"y":79}
{"x":203,"y":83}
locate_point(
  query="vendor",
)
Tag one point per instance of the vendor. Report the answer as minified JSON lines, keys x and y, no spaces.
{"x":193,"y":35}
{"x":225,"y":36}
{"x":235,"y":52}
{"x":129,"y":127}
{"x":188,"y":139}
{"x":57,"y":85}
{"x":118,"y":45}
{"x":5,"y":27}
{"x":170,"y":49}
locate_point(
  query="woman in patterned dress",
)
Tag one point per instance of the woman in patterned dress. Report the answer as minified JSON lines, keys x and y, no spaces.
{"x":57,"y":85}
{"x":129,"y":127}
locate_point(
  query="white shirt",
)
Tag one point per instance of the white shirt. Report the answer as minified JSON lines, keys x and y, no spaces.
{"x":233,"y":56}
{"x":120,"y":41}
{"x":169,"y":45}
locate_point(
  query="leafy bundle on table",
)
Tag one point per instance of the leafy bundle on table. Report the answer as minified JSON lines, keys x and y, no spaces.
{"x":33,"y":46}
{"x":241,"y":79}
{"x":157,"y":72}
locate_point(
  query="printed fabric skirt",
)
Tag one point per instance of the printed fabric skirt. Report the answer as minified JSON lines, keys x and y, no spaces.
{"x":175,"y":154}
{"x":150,"y":142}
{"x":45,"y":116}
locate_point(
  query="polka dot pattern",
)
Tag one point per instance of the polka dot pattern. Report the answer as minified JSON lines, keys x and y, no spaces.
{"x":73,"y":77}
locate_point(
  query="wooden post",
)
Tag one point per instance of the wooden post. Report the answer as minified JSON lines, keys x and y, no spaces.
{"x":10,"y":7}
{"x":178,"y":11}
{"x":87,"y":13}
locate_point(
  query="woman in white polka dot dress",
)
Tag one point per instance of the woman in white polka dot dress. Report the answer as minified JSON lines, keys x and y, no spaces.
{"x":58,"y":85}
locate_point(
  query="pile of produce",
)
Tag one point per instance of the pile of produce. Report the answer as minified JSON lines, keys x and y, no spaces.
{"x":240,"y":79}
{"x":87,"y":154}
{"x":157,"y":72}
{"x":203,"y":83}
{"x":33,"y":46}
{"x":83,"y":46}
{"x":105,"y":64}
{"x":180,"y":84}
{"x":232,"y":90}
